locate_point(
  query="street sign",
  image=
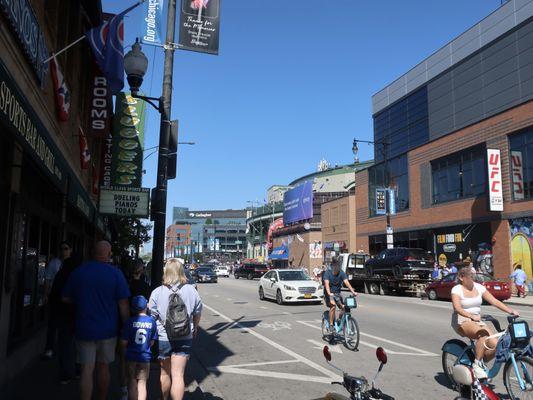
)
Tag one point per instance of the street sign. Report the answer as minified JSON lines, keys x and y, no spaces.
{"x":124,"y":202}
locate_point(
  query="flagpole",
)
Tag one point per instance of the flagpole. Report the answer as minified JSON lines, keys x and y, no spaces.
{"x":83,"y":37}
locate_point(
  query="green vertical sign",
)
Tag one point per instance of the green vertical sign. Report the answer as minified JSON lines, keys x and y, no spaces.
{"x":128,"y":141}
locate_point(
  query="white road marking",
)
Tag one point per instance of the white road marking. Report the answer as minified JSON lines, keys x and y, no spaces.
{"x":419,"y":352}
{"x":216,"y":295}
{"x":264,"y":308}
{"x":263,"y":363}
{"x":275,"y":326}
{"x":320,"y":345}
{"x":272,"y":374}
{"x":286,"y":313}
{"x":278,"y":346}
{"x":229,"y":299}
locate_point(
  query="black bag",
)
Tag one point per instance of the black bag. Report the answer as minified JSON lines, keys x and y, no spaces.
{"x":178,"y":322}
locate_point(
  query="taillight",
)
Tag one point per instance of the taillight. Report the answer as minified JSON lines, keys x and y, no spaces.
{"x":409,"y":258}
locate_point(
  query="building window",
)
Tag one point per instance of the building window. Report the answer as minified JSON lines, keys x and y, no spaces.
{"x":394,"y":174}
{"x":459,"y":175}
{"x":521,"y":159}
{"x":404,"y":126}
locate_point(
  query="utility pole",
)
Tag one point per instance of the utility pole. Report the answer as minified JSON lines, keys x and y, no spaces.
{"x":162,"y":164}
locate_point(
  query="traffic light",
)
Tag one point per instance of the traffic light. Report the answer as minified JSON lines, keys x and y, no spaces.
{"x":172,"y":150}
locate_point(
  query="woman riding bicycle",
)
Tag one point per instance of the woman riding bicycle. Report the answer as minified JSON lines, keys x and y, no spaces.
{"x":467,"y":297}
{"x":333,"y":280}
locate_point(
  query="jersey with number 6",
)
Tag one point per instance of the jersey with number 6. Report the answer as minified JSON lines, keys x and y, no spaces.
{"x":139,"y":331}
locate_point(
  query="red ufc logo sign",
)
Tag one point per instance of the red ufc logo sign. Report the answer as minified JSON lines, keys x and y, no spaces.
{"x":495,"y":180}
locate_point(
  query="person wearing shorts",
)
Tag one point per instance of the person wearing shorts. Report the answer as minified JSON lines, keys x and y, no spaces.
{"x":138,"y":336}
{"x":467,"y":297}
{"x":174,"y":354}
{"x":99,"y":293}
{"x":333,"y":280}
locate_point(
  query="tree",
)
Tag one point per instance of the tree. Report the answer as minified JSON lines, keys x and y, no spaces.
{"x":131,"y":234}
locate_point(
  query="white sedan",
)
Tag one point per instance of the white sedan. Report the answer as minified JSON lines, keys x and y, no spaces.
{"x":222,"y":270}
{"x":289,"y":286}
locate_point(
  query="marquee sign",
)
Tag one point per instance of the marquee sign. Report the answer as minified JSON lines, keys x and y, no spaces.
{"x":124,"y":202}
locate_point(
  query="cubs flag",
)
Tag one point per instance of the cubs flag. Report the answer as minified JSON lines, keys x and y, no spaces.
{"x":107,"y":42}
{"x":200,"y":25}
{"x":85,"y":155}
{"x":62,"y":94}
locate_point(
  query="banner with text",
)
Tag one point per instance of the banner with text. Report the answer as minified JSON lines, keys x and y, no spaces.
{"x":200,"y":25}
{"x":128,"y":141}
{"x":298,"y":203}
{"x":152,"y":32}
{"x":495,"y":180}
{"x":124,"y":202}
{"x":101,"y":105}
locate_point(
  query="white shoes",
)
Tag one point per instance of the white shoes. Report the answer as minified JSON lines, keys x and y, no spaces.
{"x":479,"y":370}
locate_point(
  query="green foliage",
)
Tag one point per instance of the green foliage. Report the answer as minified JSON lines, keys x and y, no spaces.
{"x":131,"y":234}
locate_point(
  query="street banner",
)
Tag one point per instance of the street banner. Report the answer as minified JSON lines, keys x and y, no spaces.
{"x":381,"y":201}
{"x":128,"y":141}
{"x":106,"y":159}
{"x":124,"y":202}
{"x":315,"y":250}
{"x":101,"y":105}
{"x":152,"y":32}
{"x":518,"y":175}
{"x":495,"y":180}
{"x":298,"y":203}
{"x":200,"y":25}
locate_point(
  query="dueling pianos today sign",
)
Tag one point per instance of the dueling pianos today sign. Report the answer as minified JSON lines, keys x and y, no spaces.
{"x":124,"y":202}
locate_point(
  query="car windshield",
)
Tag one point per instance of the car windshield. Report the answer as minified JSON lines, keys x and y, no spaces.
{"x":483,"y":278}
{"x":418,"y":254}
{"x":260,"y":266}
{"x":205,"y":270}
{"x":293,"y":276}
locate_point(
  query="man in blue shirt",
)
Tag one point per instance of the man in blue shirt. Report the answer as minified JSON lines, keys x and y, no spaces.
{"x":333,"y":280}
{"x":99,"y":292}
{"x":519,"y":277}
{"x":138,"y":335}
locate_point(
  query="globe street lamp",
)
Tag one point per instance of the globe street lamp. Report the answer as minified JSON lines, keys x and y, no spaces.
{"x":135,"y":66}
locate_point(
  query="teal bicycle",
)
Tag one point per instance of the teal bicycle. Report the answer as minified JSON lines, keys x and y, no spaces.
{"x":345,"y":328}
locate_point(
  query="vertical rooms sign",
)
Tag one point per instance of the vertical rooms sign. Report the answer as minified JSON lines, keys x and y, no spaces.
{"x":128,"y":139}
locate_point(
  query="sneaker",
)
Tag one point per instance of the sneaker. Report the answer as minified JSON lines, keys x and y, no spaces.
{"x":479,"y":371}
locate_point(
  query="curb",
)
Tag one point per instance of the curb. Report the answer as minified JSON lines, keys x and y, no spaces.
{"x":516,"y":303}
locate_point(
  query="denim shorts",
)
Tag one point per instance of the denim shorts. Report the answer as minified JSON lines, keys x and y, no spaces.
{"x":177,"y":347}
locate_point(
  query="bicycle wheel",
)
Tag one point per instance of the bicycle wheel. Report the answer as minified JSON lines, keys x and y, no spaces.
{"x":325,"y":329}
{"x":351,"y":333}
{"x":448,"y":361}
{"x":525,"y":368}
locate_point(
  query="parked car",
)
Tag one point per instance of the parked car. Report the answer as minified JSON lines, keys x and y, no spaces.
{"x":399,"y":262}
{"x":250,"y":271}
{"x":442,"y":289}
{"x":289,"y":285}
{"x":190,"y":279}
{"x":205,"y":274}
{"x":222,"y":270}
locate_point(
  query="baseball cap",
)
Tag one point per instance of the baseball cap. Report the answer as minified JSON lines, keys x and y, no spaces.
{"x":138,"y":303}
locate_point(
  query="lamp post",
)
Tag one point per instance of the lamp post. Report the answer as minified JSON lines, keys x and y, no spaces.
{"x":384,"y":148}
{"x":135,"y":65}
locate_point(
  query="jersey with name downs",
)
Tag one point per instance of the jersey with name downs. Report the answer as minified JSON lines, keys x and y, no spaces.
{"x":139,"y":331}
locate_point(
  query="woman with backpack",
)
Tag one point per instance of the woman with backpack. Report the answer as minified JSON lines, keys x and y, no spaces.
{"x":176,"y":306}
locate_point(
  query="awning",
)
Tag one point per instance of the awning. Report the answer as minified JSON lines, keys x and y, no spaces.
{"x":279,"y":253}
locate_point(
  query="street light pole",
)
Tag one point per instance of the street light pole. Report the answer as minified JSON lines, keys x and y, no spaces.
{"x":389,"y":232}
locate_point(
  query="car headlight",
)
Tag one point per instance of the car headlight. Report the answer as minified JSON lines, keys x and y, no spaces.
{"x":287,"y":287}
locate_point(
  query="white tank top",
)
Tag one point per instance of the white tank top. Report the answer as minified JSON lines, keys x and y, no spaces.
{"x":471,"y":305}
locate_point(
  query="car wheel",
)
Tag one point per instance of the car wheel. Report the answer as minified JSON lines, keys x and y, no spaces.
{"x":432,"y":294}
{"x":261,"y":293}
{"x":373,"y":288}
{"x":250,"y":277}
{"x":279,"y":297}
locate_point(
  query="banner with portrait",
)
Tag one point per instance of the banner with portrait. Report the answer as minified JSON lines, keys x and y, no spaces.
{"x":200,"y":25}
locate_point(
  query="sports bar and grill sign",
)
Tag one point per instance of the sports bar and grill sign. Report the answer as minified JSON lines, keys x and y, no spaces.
{"x":124,"y":202}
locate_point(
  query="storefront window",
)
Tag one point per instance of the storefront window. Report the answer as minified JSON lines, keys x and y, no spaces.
{"x":521,"y":158}
{"x":459,"y":175}
{"x":393,"y":173}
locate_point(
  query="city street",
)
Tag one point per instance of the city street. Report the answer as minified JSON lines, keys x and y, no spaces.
{"x":257,"y":349}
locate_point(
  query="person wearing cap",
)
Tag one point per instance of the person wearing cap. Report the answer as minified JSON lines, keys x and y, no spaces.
{"x":138,"y":336}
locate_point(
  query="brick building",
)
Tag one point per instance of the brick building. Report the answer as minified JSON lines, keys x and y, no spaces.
{"x":178,"y":240}
{"x":433,"y":128}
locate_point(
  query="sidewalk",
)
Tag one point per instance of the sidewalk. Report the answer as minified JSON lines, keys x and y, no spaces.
{"x":40,"y":381}
{"x":520,"y":301}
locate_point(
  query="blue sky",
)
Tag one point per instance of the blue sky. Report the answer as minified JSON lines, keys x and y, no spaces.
{"x":292,"y":84}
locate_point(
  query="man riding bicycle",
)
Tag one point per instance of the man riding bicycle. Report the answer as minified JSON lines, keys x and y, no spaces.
{"x":333,"y":280}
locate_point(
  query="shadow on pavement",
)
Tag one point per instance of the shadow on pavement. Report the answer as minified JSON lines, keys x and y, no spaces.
{"x":443,"y":380}
{"x":209,"y":350}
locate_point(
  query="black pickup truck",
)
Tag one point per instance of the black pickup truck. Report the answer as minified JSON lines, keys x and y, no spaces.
{"x":399,"y":262}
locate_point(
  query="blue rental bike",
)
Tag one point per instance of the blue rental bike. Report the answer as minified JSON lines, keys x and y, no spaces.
{"x":347,"y":325}
{"x":517,"y":366}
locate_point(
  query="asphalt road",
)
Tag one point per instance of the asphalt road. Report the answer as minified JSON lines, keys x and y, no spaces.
{"x":259,"y":350}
